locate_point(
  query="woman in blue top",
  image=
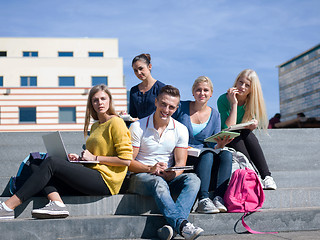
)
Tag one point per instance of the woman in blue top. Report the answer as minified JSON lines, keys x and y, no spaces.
{"x":143,"y":95}
{"x":203,"y":121}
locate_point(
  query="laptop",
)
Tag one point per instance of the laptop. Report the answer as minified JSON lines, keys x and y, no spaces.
{"x":56,"y":148}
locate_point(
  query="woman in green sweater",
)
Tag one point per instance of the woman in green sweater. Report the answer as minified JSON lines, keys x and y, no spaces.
{"x":109,"y":143}
{"x":242,"y":103}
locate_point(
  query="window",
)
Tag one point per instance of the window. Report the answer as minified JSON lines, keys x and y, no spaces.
{"x":65,"y":54}
{"x":28,"y":81}
{"x":66,"y":81}
{"x":95,"y":54}
{"x":3,"y":53}
{"x":30,"y":54}
{"x":27,"y":114}
{"x":99,"y":80}
{"x":1,"y":81}
{"x":67,"y":114}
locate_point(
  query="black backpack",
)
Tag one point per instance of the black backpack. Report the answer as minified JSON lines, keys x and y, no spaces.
{"x":28,"y":165}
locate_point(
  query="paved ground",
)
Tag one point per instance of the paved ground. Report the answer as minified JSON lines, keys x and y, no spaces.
{"x":298,"y":235}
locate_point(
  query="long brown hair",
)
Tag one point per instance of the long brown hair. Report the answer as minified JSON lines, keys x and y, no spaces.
{"x":254,"y":104}
{"x":90,"y":112}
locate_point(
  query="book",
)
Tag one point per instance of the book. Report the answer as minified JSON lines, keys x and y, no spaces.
{"x":221,"y":135}
{"x":179,"y":168}
{"x":239,"y":126}
{"x":127,"y":118}
{"x":195,"y":152}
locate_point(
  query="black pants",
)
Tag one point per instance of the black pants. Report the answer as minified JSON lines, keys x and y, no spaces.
{"x":56,"y":175}
{"x":248,"y":144}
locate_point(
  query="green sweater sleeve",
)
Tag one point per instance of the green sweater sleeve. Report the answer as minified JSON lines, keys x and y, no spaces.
{"x":224,"y":109}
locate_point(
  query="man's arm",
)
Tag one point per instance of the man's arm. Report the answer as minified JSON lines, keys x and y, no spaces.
{"x":138,"y":167}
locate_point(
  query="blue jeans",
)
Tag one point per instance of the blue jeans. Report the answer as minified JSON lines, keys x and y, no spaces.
{"x":184,"y":186}
{"x":211,"y":167}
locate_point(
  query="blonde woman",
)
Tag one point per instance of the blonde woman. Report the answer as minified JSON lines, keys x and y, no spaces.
{"x":109,"y":143}
{"x":202,"y":122}
{"x":242,"y":103}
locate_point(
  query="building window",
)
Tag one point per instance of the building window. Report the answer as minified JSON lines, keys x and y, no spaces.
{"x":3,"y":53}
{"x":95,"y":54}
{"x":27,"y":114}
{"x":28,"y":81}
{"x":67,"y":114}
{"x":30,"y":54}
{"x":1,"y":81}
{"x":99,"y":80}
{"x":65,"y":54}
{"x":66,"y":81}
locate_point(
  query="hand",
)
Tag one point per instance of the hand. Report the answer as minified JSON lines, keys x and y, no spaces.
{"x":253,"y":126}
{"x":167,"y":175}
{"x":232,"y":96}
{"x":73,"y":157}
{"x":158,"y":167}
{"x":87,"y":156}
{"x":222,"y":142}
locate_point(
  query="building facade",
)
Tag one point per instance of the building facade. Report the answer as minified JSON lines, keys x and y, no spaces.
{"x":299,"y":85}
{"x":44,"y":82}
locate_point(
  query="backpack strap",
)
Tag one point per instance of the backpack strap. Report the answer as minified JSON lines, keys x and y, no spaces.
{"x":249,"y":229}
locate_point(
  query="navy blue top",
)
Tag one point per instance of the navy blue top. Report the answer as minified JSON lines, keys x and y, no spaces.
{"x":214,"y":125}
{"x":142,"y":104}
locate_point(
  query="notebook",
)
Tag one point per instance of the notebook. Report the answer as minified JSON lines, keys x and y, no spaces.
{"x":56,"y":148}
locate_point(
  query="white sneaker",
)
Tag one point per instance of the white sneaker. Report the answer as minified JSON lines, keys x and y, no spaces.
{"x":269,"y":183}
{"x":53,"y":209}
{"x":166,"y":233}
{"x":206,"y":206}
{"x":219,"y":203}
{"x":191,"y":232}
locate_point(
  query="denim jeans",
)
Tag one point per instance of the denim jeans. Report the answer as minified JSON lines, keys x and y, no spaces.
{"x":212,"y":168}
{"x":184,"y":186}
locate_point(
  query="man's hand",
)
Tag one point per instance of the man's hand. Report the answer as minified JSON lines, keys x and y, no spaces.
{"x":167,"y":175}
{"x":158,"y":167}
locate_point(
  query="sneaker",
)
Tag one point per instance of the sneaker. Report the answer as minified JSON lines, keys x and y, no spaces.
{"x":190,"y":232}
{"x":4,"y":214}
{"x":219,"y":203}
{"x":51,"y":210}
{"x":166,"y":233}
{"x":206,"y":206}
{"x":269,"y":183}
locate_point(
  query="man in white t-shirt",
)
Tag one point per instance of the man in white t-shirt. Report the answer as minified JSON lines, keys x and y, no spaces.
{"x":160,"y":142}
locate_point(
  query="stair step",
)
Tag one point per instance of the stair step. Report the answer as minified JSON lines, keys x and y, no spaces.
{"x":145,"y":226}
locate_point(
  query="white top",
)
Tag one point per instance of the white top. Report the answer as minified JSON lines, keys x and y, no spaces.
{"x":153,"y":148}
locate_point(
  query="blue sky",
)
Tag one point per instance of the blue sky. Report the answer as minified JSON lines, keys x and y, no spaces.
{"x":186,"y":38}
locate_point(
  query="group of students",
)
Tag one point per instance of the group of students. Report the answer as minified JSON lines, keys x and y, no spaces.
{"x":163,"y":129}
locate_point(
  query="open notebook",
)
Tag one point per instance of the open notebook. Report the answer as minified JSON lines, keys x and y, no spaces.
{"x":55,"y":147}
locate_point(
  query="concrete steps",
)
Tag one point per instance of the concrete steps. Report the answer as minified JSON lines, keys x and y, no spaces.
{"x":145,"y":226}
{"x":292,"y":155}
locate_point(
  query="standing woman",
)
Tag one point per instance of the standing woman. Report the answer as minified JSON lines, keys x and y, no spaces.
{"x":242,"y":103}
{"x":109,"y":143}
{"x":203,"y":121}
{"x":143,"y":95}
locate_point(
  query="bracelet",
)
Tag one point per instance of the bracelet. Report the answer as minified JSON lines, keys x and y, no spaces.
{"x":96,"y":158}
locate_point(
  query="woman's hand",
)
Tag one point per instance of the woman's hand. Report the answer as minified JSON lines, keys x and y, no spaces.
{"x":253,"y":126}
{"x":73,"y":157}
{"x":87,"y":156}
{"x":232,"y":96}
{"x":222,"y":142}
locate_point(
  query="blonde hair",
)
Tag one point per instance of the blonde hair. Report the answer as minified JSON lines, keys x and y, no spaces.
{"x":90,"y":112}
{"x":200,"y":80}
{"x":254,"y":104}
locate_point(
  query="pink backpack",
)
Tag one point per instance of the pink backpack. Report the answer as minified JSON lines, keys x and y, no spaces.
{"x":244,"y":194}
